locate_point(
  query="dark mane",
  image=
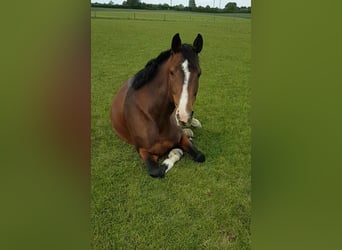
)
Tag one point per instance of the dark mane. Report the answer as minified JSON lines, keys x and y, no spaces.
{"x":146,"y":74}
{"x":151,"y":68}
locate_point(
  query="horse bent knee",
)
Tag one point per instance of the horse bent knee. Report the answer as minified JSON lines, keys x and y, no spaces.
{"x":156,"y":171}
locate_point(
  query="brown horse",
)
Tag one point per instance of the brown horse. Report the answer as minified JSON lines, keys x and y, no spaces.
{"x":146,"y":110}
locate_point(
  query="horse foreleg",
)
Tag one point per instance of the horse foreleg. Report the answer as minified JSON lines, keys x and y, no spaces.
{"x":152,"y":163}
{"x":174,"y":156}
{"x":188,"y":147}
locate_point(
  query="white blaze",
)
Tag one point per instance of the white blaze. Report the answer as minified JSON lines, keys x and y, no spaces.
{"x":183,"y":101}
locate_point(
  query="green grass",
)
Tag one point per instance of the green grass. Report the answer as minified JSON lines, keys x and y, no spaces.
{"x":196,"y":206}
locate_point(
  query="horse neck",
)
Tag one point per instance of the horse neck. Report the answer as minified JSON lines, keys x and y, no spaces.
{"x":162,"y":101}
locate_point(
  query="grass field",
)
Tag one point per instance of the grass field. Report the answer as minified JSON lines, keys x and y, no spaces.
{"x":196,"y":206}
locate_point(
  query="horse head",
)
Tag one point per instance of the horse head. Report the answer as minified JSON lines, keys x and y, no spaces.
{"x":183,"y":76}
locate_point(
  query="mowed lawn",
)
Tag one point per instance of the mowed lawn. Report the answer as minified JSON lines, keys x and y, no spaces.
{"x":196,"y":206}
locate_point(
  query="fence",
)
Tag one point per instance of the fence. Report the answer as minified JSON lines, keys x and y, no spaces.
{"x":147,"y":15}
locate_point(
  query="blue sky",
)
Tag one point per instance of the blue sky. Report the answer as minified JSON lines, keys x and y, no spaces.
{"x":185,"y":2}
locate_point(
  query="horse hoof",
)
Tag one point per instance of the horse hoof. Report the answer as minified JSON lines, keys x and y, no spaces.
{"x":158,"y":172}
{"x":188,"y":132}
{"x":199,"y":157}
{"x":196,"y":123}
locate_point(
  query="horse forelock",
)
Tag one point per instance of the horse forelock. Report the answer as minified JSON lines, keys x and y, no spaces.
{"x":190,"y":55}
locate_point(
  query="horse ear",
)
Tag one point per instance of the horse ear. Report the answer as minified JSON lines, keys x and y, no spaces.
{"x":176,"y":43}
{"x":198,"y":43}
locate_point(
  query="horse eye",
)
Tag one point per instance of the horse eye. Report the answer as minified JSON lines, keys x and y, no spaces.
{"x":199,"y":74}
{"x":171,"y":72}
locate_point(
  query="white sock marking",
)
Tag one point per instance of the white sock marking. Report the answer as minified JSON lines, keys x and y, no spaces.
{"x":196,"y":123}
{"x":188,"y":132}
{"x":174,"y":156}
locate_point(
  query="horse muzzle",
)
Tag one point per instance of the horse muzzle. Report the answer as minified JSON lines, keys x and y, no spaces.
{"x":184,"y":119}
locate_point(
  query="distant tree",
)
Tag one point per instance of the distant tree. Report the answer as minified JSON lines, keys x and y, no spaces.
{"x":178,"y":7}
{"x":133,"y":3}
{"x":192,"y":4}
{"x":165,"y":6}
{"x":110,"y":3}
{"x":231,"y":7}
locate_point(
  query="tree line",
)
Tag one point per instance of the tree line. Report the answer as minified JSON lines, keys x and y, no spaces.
{"x":230,"y":7}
